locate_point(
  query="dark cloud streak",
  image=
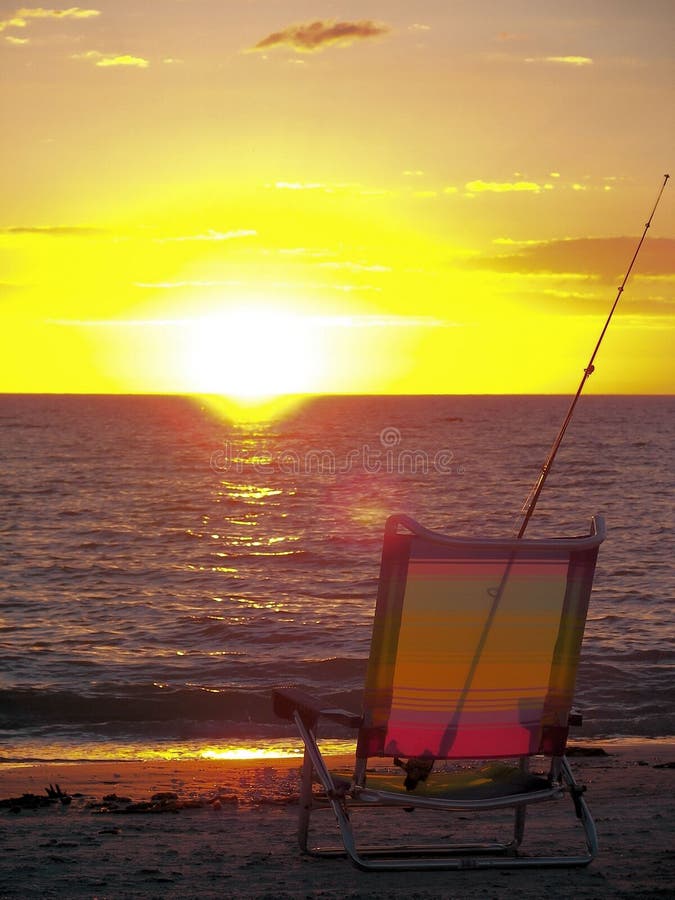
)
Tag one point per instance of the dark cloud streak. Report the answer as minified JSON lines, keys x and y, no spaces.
{"x":312,"y":36}
{"x":606,"y":258}
{"x":55,"y":231}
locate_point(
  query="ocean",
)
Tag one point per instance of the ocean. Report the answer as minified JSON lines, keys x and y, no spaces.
{"x":161,"y":568}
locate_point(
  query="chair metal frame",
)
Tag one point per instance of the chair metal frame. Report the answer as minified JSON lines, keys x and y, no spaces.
{"x":344,"y":795}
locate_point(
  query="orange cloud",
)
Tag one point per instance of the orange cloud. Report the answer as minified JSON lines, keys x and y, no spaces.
{"x":313,"y":36}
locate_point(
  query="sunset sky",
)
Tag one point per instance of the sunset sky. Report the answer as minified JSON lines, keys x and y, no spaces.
{"x":263,"y":196}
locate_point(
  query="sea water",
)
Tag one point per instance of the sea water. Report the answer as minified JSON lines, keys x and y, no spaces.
{"x":162,"y":568}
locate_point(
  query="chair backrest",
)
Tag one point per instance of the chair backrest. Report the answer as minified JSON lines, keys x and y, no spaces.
{"x":475,"y":643}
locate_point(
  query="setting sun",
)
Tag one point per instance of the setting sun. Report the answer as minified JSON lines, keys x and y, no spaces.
{"x":252,"y":353}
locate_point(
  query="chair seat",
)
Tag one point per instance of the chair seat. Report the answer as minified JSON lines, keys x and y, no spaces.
{"x":480,"y":782}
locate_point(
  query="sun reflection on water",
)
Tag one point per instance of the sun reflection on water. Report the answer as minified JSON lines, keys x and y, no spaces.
{"x":291,"y":750}
{"x":251,"y":753}
{"x":251,"y":410}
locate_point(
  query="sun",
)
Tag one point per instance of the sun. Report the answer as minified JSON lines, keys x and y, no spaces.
{"x":253,"y":353}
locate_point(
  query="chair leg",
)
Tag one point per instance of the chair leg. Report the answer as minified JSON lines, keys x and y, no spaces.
{"x":582,"y":810}
{"x":519,"y":825}
{"x":520,"y":811}
{"x":305,"y":801}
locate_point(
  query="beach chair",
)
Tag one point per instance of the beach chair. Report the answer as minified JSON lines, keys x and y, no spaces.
{"x":474,"y":654}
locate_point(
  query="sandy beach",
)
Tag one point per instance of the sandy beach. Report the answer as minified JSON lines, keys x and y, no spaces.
{"x":228,"y":830}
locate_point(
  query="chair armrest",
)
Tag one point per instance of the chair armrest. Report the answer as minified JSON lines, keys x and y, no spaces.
{"x":288,"y":701}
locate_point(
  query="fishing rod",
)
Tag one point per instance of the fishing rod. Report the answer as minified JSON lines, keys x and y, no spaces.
{"x":533,"y":496}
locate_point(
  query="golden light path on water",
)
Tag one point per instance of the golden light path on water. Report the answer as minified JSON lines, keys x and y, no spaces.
{"x":247,"y":414}
{"x":105,"y":751}
{"x":247,"y":410}
{"x":289,"y":750}
{"x":328,"y":748}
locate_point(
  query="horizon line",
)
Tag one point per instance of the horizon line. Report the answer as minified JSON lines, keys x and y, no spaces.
{"x":315,"y":395}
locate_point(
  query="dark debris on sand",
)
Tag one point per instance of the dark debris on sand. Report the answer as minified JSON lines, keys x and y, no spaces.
{"x":164,"y":802}
{"x":36,"y":801}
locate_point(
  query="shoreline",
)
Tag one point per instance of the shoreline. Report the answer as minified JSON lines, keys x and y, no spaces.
{"x":234,"y":833}
{"x":343,"y":751}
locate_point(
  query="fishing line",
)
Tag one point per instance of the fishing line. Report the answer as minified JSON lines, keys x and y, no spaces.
{"x":533,"y":496}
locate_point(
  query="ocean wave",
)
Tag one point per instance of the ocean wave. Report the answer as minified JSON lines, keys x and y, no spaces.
{"x":152,"y":709}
